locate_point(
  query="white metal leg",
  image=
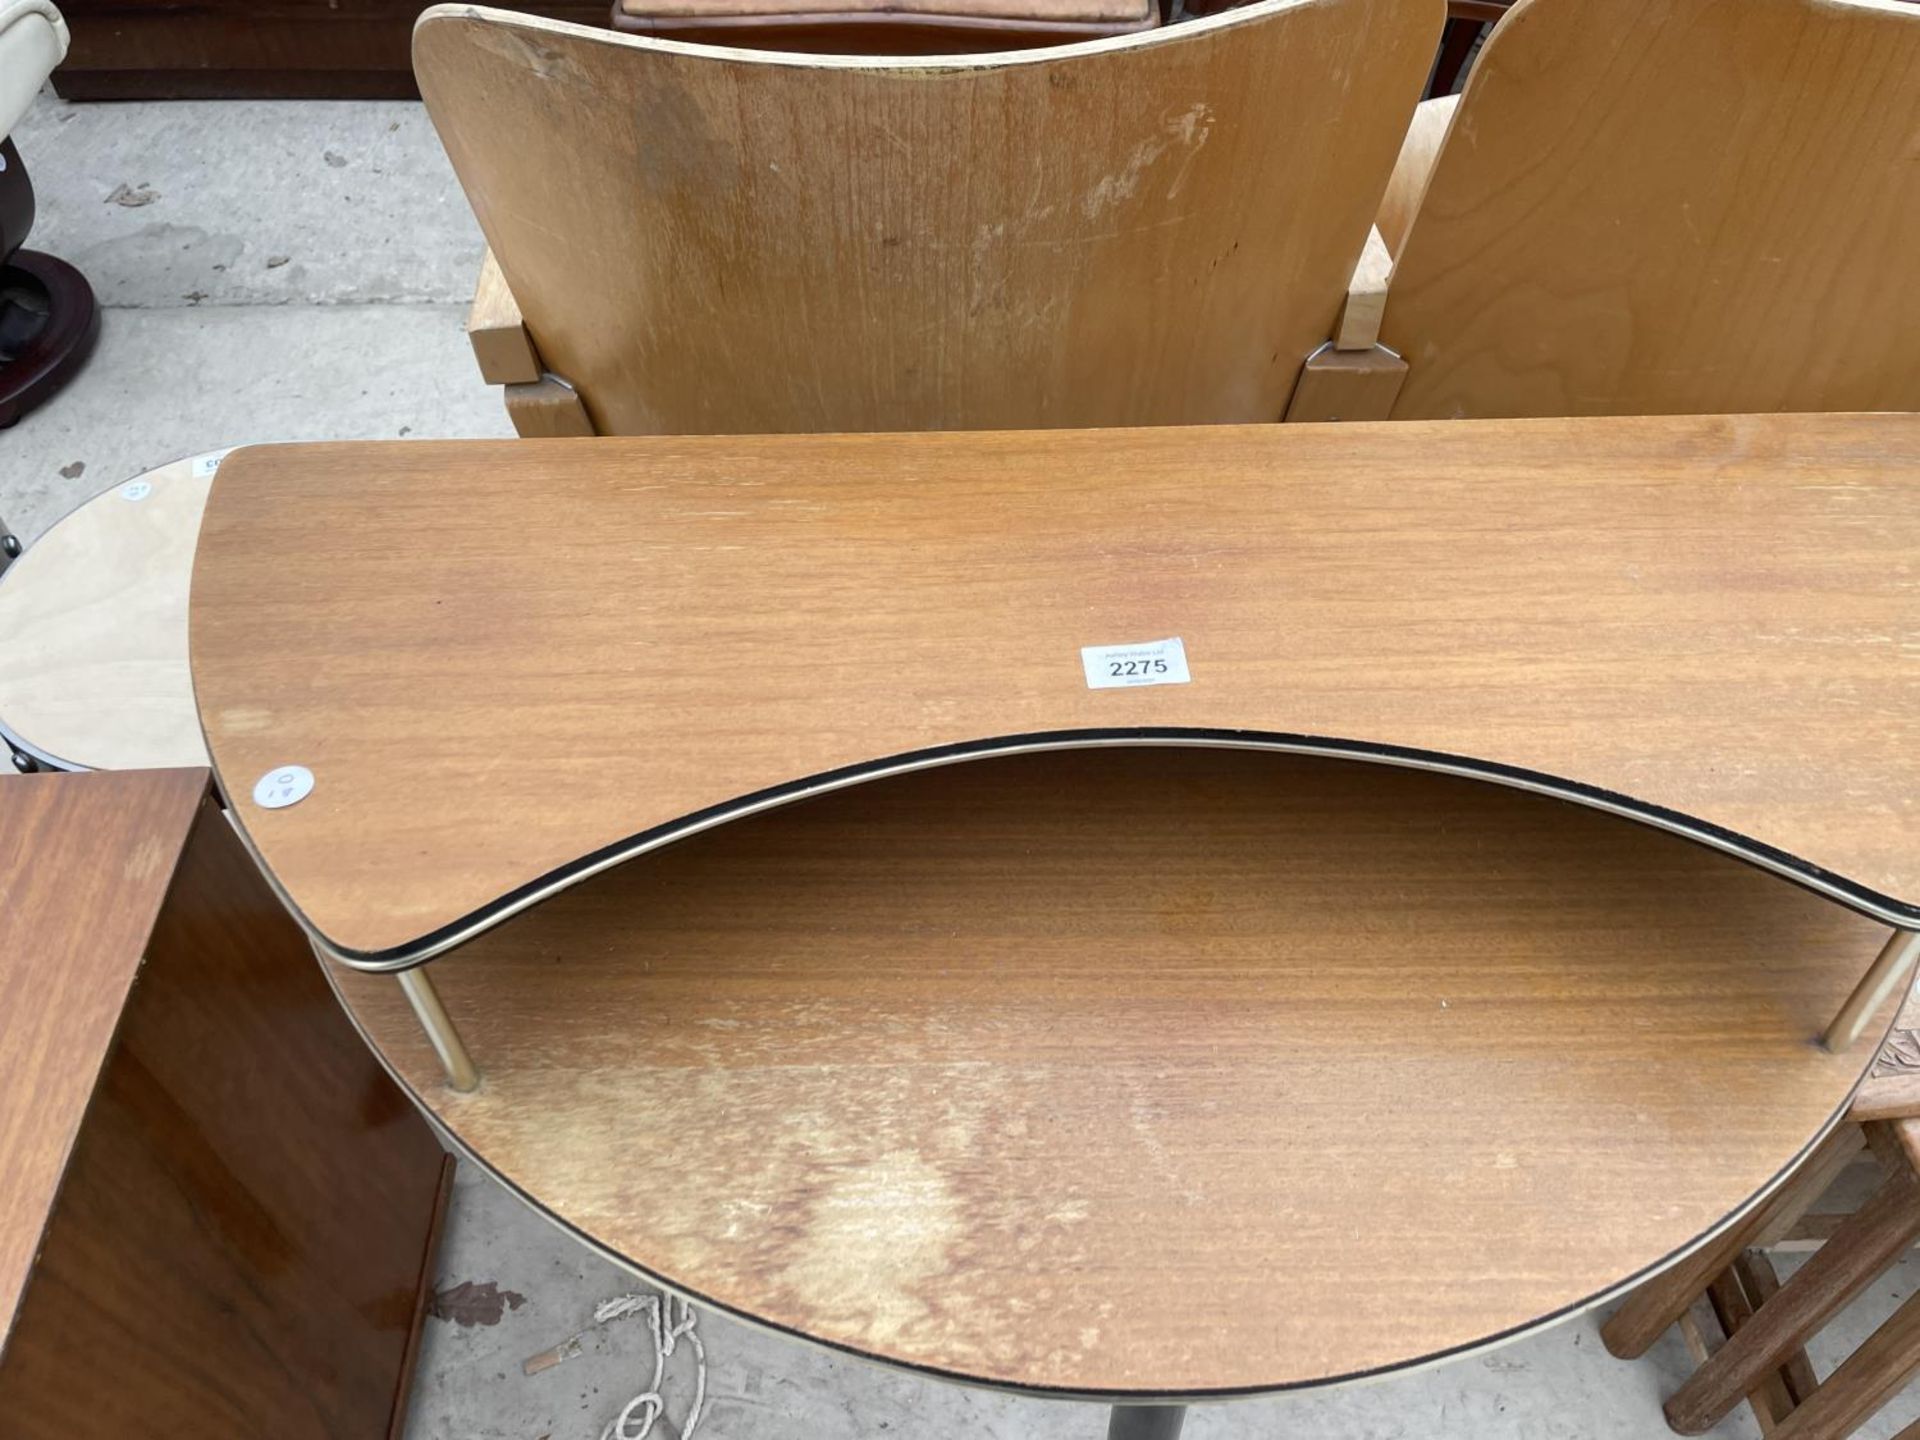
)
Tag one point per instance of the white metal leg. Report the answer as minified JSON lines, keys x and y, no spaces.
{"x":447,"y":1044}
{"x":1891,"y":969}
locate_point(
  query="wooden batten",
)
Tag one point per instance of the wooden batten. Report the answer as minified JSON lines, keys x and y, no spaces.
{"x":547,"y":409}
{"x":499,"y":338}
{"x":1338,"y":384}
{"x":1359,"y":326}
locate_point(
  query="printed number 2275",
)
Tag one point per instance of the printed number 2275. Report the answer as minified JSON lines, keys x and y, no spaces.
{"x":1124,"y":668}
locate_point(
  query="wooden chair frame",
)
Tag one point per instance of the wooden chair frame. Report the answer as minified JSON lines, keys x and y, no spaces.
{"x":540,"y":405}
{"x":1764,"y":1323}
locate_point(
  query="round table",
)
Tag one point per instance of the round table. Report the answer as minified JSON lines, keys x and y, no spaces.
{"x":93,"y":623}
{"x":1149,"y":1075}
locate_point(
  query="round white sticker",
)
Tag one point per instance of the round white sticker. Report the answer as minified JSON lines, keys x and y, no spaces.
{"x":287,"y":785}
{"x":136,"y":490}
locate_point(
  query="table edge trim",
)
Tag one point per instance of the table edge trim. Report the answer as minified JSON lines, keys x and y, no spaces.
{"x":442,"y":939}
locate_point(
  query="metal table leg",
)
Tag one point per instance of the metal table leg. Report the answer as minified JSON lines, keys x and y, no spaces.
{"x":1146,"y":1422}
{"x":433,"y":1018}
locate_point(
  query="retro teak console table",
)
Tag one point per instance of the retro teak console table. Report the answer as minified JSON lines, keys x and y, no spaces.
{"x":550,"y":657}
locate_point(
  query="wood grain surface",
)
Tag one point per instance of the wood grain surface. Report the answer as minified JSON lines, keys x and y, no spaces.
{"x":1155,"y":229}
{"x":1711,"y":615}
{"x":1671,"y":206}
{"x":1150,"y":1072}
{"x":244,"y":1218}
{"x":93,"y":622}
{"x":83,"y":871}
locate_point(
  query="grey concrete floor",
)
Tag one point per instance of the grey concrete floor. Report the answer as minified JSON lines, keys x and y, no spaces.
{"x":519,"y":1291}
{"x":296,"y":271}
{"x":275,"y":271}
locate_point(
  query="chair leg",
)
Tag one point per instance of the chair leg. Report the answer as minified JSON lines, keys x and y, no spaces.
{"x":1865,"y":1381}
{"x":1660,"y":1302}
{"x":1860,"y":1249}
{"x":1761,"y":1284}
{"x":1731,"y":1306}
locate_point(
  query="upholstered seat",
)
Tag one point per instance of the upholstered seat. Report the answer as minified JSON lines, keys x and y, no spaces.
{"x":33,"y":39}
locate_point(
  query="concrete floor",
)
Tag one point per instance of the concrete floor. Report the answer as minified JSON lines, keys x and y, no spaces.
{"x":295,"y":271}
{"x":268,"y":272}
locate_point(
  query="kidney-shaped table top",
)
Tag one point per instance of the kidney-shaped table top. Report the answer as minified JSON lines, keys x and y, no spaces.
{"x":509,"y":664}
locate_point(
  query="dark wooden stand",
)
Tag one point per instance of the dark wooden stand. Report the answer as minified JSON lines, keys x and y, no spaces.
{"x":48,"y":318}
{"x":217,"y":1213}
{"x":237,"y":49}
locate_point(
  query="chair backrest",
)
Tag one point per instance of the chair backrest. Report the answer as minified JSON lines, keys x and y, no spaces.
{"x":1668,"y":206}
{"x":1152,"y":229}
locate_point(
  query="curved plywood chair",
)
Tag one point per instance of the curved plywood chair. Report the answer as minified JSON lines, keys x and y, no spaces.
{"x":1655,"y":206}
{"x":1147,"y":230}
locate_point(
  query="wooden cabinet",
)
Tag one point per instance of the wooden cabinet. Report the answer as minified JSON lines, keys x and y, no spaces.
{"x":217,"y":1213}
{"x":237,"y":49}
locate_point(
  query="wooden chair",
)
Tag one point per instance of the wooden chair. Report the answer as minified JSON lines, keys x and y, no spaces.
{"x":1767,"y":1324}
{"x":1651,"y":206}
{"x":1148,"y":230}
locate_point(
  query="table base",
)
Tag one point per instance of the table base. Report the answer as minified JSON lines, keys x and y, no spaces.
{"x":1146,"y":1422}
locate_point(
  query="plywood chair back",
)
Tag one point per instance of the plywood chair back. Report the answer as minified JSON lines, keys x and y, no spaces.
{"x":1145,"y":230}
{"x":1671,"y":206}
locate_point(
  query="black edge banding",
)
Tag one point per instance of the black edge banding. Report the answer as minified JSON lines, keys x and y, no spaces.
{"x":434,"y":943}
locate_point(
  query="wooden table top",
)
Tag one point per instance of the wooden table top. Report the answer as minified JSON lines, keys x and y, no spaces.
{"x":1150,"y":1072}
{"x":93,"y":623}
{"x":85,"y":862}
{"x":539,"y":657}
